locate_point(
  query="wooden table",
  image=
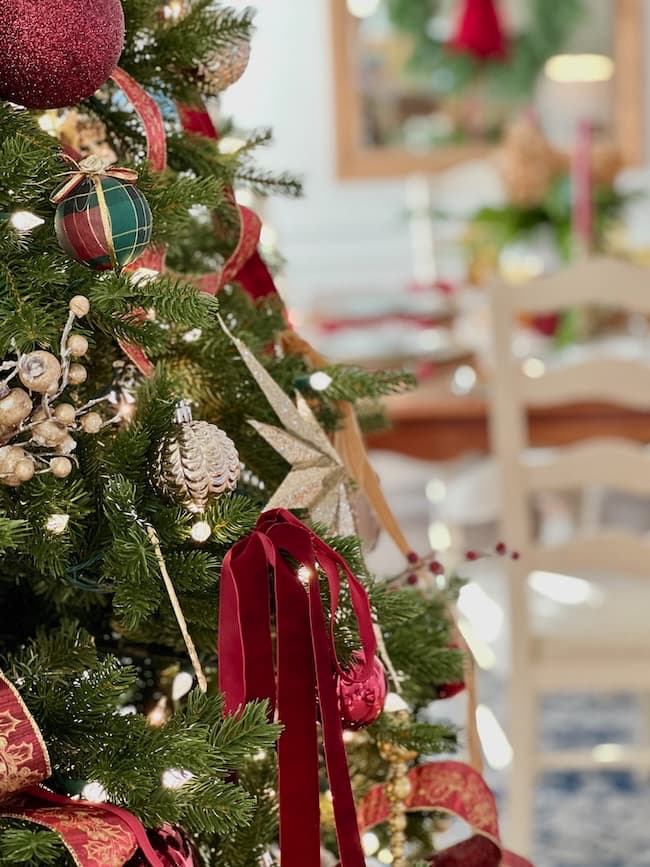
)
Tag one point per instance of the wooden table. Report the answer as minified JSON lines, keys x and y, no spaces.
{"x":434,"y":424}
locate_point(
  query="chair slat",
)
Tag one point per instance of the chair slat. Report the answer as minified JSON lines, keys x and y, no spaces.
{"x":612,"y":550}
{"x":618,"y":381}
{"x":617,"y":463}
{"x":590,"y":760}
{"x":599,"y":675}
{"x":598,"y":280}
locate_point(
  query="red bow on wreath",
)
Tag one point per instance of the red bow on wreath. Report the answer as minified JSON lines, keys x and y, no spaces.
{"x":479,"y":31}
{"x":96,"y":835}
{"x":299,"y":678}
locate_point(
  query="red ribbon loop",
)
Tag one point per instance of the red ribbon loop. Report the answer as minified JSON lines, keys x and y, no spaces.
{"x":299,"y":680}
{"x":455,"y":788}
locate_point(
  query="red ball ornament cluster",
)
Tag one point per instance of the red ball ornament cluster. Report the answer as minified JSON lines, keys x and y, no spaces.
{"x":54,"y":53}
{"x":361,"y":703}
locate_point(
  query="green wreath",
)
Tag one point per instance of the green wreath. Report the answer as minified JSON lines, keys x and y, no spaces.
{"x":513,"y":77}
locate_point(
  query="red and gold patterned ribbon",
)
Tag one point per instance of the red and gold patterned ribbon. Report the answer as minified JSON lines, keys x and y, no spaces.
{"x":454,"y":788}
{"x":299,"y":679}
{"x":245,"y":266}
{"x":96,"y":835}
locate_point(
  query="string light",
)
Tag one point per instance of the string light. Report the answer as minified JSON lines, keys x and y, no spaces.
{"x":25,"y":221}
{"x":201,"y":531}
{"x":57,"y":524}
{"x":305,"y":574}
{"x":94,"y":792}
{"x":173,"y":10}
{"x":158,"y":716}
{"x":320,"y":380}
{"x":182,"y":685}
{"x":173,"y":778}
{"x":370,"y":843}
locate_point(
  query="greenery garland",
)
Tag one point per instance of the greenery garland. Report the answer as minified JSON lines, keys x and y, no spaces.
{"x":512,"y":78}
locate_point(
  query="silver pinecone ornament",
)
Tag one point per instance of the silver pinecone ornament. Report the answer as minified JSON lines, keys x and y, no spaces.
{"x":195,"y":462}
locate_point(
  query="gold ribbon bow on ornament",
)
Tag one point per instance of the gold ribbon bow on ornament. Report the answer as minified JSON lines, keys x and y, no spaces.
{"x":92,"y":167}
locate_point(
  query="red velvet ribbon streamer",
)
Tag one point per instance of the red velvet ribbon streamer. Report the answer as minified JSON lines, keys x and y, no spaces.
{"x":298,"y":680}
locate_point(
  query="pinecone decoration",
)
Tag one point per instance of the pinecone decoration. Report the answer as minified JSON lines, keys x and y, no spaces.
{"x":223,"y":68}
{"x":196,"y":462}
{"x":527,"y":162}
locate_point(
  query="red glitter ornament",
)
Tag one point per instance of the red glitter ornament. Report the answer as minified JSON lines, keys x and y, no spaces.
{"x":477,"y":851}
{"x":57,"y":52}
{"x":173,"y":846}
{"x":362,"y":703}
{"x":447,"y":690}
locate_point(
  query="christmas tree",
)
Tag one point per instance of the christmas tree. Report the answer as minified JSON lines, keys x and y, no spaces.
{"x":154,"y":403}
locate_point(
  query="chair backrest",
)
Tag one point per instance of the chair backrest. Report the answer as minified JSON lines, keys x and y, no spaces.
{"x":613,"y":462}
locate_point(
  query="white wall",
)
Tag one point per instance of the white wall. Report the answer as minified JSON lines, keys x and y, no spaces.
{"x":343,"y":236}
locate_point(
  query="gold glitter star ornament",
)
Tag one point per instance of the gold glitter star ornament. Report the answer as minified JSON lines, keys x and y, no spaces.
{"x":317,"y":481}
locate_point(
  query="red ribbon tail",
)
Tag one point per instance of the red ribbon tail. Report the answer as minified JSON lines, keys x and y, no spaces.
{"x":298,"y":745}
{"x":347,"y":830}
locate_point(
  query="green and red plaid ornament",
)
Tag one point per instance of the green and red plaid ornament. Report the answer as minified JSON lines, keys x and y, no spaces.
{"x":102,"y":220}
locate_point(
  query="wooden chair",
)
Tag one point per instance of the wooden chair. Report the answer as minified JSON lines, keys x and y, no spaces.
{"x":540,"y":665}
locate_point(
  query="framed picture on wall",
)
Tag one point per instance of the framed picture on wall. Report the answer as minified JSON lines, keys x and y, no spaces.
{"x":423,"y":85}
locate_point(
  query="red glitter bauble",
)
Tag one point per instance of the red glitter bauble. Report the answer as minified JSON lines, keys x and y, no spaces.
{"x":447,"y":690}
{"x":361,"y":703}
{"x":173,"y":846}
{"x":57,"y":52}
{"x":475,"y":852}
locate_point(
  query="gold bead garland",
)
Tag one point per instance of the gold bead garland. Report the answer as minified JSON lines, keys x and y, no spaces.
{"x":398,"y":788}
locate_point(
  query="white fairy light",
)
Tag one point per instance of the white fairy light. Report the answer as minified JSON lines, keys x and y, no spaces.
{"x":25,"y":221}
{"x":320,"y":380}
{"x":94,"y":792}
{"x":173,"y":778}
{"x":182,"y":685}
{"x":394,"y":703}
{"x":305,"y":574}
{"x":370,"y":843}
{"x":201,"y":531}
{"x":57,"y":523}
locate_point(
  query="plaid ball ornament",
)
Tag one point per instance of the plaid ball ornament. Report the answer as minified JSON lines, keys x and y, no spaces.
{"x":103,"y":221}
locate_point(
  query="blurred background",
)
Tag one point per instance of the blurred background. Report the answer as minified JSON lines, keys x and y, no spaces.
{"x":477,"y":210}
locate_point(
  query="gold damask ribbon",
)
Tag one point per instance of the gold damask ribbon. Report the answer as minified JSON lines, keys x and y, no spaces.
{"x":96,"y":835}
